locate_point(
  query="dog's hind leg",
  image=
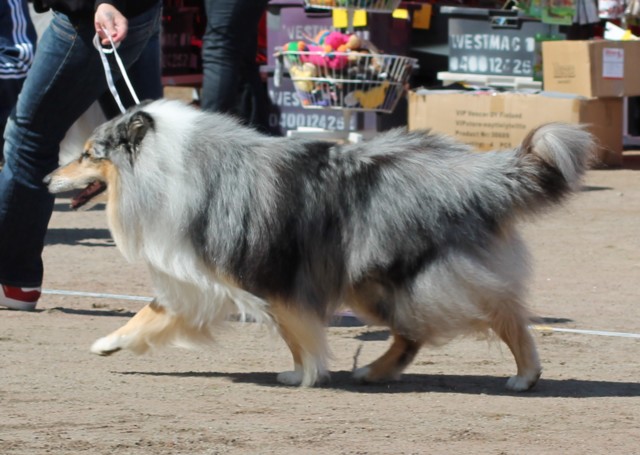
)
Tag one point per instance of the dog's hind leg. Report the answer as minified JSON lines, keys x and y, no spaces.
{"x":369,"y":299}
{"x":152,"y":325}
{"x":305,"y":335}
{"x":513,"y":329}
{"x":392,"y":363}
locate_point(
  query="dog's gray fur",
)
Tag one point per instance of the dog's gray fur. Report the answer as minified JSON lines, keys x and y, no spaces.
{"x":416,"y":222}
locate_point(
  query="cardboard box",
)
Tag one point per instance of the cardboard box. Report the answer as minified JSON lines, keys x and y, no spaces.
{"x":592,"y":68}
{"x":492,"y":120}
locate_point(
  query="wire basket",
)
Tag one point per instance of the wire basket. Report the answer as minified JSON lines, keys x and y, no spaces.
{"x":368,"y":5}
{"x":348,"y":80}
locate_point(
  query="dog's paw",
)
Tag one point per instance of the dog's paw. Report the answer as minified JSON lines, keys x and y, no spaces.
{"x":362,"y":374}
{"x":298,"y":377}
{"x":522,"y":383}
{"x":105,"y":346}
{"x":290,"y":377}
{"x":369,"y":375}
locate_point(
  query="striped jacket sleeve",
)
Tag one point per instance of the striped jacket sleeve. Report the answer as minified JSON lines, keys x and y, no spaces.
{"x":17,"y":39}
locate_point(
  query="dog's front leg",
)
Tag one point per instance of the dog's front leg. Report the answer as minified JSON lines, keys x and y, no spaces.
{"x":305,"y":334}
{"x":149,"y":326}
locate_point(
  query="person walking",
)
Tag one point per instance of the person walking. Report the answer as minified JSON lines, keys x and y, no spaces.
{"x":65,"y":79}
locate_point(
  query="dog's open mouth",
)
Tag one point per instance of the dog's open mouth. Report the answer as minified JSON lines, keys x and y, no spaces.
{"x":90,"y":192}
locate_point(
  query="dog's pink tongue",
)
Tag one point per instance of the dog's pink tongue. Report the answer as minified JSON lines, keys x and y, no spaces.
{"x":87,"y":194}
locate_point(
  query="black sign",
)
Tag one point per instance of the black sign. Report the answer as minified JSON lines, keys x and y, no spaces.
{"x":494,"y":45}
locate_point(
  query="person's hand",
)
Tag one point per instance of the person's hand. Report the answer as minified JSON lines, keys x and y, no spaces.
{"x":109,"y":18}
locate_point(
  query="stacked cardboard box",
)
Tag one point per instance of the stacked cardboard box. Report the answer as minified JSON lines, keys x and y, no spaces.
{"x":598,"y":69}
{"x":491,"y":120}
{"x":595,"y":69}
{"x":584,"y":82}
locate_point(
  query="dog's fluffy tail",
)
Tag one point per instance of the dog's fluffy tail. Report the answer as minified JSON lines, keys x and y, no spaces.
{"x":554,"y":158}
{"x":569,"y":149}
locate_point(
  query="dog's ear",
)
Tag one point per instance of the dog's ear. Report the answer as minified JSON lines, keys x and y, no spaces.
{"x":137,"y":128}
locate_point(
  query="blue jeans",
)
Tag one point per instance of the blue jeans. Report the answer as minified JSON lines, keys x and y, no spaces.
{"x":65,"y":79}
{"x":231,"y":79}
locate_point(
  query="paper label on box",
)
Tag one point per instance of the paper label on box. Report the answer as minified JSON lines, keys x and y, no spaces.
{"x":612,"y":63}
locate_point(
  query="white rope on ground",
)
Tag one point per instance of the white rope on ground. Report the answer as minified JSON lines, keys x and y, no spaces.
{"x":540,"y":328}
{"x":97,"y":295}
{"x":545,"y":328}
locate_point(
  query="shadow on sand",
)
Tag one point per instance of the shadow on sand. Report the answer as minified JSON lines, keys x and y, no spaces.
{"x":86,"y":237}
{"x":436,"y":383}
{"x":91,"y":312}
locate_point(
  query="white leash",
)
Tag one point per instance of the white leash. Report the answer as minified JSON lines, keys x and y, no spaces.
{"x":97,"y":295}
{"x":604,"y":333}
{"x":107,"y":70}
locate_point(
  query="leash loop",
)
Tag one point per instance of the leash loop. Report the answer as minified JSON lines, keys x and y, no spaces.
{"x":103,"y":51}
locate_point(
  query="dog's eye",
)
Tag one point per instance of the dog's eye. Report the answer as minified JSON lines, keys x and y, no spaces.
{"x":89,"y":155}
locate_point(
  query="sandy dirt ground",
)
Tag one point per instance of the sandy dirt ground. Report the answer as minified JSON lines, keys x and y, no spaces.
{"x":57,"y":398}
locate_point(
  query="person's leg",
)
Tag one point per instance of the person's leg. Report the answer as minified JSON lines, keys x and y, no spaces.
{"x":9,"y":90}
{"x":55,"y":93}
{"x":254,"y":101}
{"x":145,"y":73}
{"x":254,"y":97}
{"x":228,"y":52}
{"x":66,"y":78}
{"x":220,"y":55}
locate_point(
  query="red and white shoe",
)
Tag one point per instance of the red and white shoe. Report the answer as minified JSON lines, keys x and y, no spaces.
{"x":23,"y":299}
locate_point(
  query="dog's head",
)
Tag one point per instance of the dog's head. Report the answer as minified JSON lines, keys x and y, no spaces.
{"x":112,"y":145}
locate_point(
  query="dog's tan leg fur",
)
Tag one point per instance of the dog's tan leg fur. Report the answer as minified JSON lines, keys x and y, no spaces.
{"x":304,"y":333}
{"x":389,"y":367}
{"x":392,"y":363}
{"x":151,"y":326}
{"x":514,"y":331}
